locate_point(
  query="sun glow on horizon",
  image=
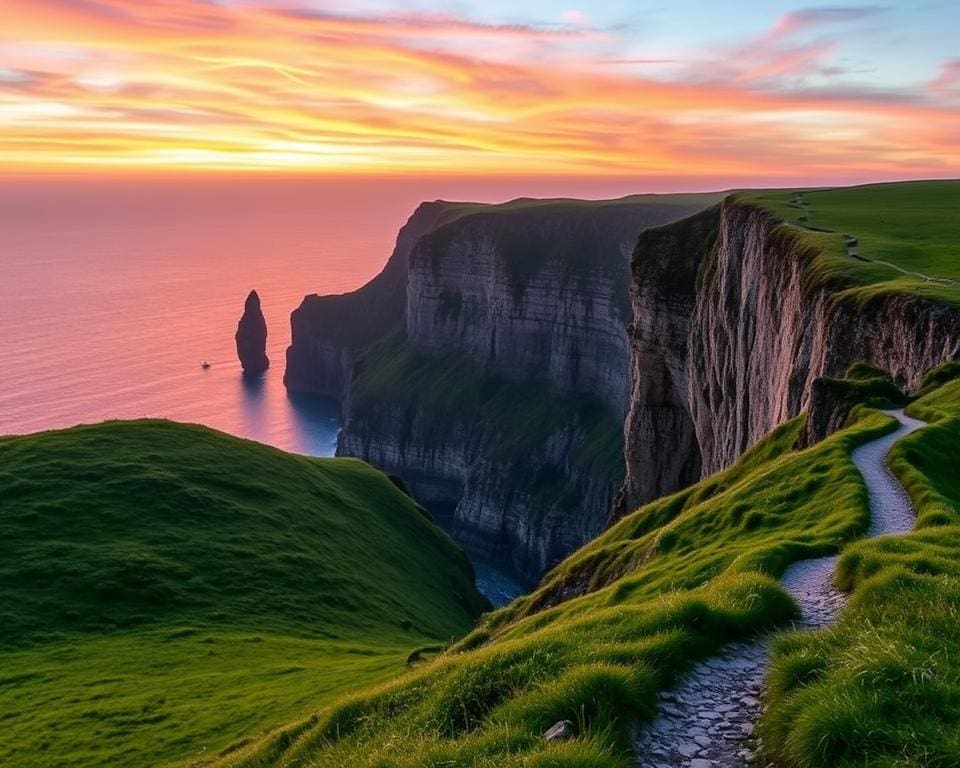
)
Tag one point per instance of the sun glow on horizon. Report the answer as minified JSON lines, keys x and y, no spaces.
{"x":257,"y":85}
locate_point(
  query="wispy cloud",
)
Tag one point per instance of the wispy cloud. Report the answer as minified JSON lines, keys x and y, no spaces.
{"x":265,"y":84}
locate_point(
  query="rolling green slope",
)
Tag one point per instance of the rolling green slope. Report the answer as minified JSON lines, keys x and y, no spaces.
{"x":165,"y":588}
{"x":912,"y":225}
{"x":609,"y":627}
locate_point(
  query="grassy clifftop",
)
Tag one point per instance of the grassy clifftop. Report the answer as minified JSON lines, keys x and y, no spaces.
{"x":609,"y":627}
{"x":899,"y":228}
{"x":882,"y":687}
{"x":165,"y":588}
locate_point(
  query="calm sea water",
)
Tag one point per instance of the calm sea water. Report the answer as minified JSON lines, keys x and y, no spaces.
{"x":113,"y":292}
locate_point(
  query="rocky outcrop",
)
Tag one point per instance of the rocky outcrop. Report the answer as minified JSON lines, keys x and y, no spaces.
{"x":746,"y":345}
{"x":831,"y":400}
{"x":508,"y":315}
{"x":251,"y":337}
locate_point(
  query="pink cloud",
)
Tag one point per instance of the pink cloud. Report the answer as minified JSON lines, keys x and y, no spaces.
{"x":947,"y":82}
{"x":576,"y":17}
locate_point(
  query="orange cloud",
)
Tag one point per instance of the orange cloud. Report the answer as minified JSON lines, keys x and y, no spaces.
{"x":196,"y":84}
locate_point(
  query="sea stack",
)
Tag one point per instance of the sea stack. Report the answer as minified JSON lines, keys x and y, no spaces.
{"x":252,"y":337}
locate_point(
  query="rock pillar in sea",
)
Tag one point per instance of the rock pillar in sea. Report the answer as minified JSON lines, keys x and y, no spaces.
{"x":252,"y":337}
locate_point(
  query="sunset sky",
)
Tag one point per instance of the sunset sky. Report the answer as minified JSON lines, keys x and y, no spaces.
{"x":643,"y":89}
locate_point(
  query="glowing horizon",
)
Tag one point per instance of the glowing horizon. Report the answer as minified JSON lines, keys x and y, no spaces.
{"x":362,"y":88}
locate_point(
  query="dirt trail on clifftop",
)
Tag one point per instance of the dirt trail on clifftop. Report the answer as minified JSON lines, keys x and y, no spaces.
{"x":707,"y":721}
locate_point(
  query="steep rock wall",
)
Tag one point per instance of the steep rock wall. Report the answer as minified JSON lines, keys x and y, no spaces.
{"x":522,"y":502}
{"x":531,"y":295}
{"x":661,"y":449}
{"x":753,"y":337}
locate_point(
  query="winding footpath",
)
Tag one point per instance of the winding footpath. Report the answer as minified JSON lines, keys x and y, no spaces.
{"x":707,"y":721}
{"x":799,"y":201}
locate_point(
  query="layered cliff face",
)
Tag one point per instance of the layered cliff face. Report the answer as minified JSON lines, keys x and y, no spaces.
{"x":747,"y":339}
{"x":516,"y":471}
{"x":495,"y":382}
{"x":532,"y":294}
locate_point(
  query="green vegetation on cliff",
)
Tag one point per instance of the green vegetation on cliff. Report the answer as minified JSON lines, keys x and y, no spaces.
{"x":166,"y":588}
{"x":607,"y":628}
{"x":911,"y":226}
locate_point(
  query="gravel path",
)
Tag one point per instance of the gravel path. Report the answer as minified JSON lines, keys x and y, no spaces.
{"x":707,"y":720}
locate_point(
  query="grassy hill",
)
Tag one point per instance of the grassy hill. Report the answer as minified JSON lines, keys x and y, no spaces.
{"x":913,"y":225}
{"x":609,"y":627}
{"x":165,"y":588}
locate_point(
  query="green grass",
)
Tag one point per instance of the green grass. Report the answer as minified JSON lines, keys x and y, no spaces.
{"x":607,"y":628}
{"x":457,"y":210}
{"x":914,"y":225}
{"x":166,"y":588}
{"x":882,"y":687}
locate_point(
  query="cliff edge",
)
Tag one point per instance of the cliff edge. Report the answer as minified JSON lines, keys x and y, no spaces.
{"x":738,"y":313}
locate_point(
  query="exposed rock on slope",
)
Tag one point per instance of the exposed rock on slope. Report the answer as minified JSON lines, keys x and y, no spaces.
{"x":507,"y":311}
{"x":831,"y":400}
{"x":745,"y":342}
{"x":251,"y":337}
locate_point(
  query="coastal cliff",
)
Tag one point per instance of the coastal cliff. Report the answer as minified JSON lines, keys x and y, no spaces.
{"x":733,"y":324}
{"x":531,"y":294}
{"x":327,"y":332}
{"x":496,"y":382}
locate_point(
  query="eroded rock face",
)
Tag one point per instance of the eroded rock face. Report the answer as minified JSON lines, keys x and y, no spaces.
{"x":534,"y":296}
{"x":747,"y":345}
{"x":251,"y":337}
{"x":524,"y":506}
{"x":661,"y":449}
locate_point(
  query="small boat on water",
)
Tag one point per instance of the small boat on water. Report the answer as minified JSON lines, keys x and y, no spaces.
{"x":204,"y":365}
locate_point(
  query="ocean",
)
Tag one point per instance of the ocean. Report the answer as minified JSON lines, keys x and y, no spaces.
{"x":113,"y":292}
